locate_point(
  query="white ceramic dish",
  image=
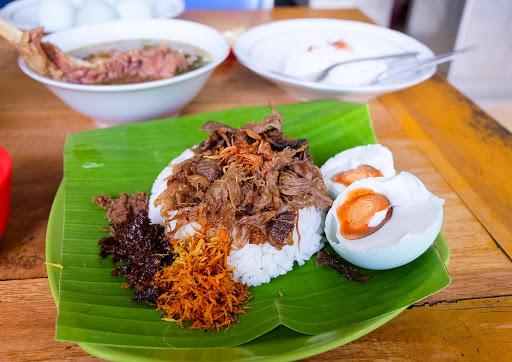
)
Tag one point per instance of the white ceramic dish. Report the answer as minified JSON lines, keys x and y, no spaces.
{"x":24,"y":14}
{"x":265,"y":49}
{"x":110,"y":105}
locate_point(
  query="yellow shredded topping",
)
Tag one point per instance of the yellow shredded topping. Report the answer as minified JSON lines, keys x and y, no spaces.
{"x":199,"y":285}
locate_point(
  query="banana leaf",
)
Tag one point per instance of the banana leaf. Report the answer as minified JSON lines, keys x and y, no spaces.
{"x":94,"y":309}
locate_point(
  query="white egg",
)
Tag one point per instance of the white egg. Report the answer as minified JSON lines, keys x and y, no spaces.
{"x":95,"y":11}
{"x":76,"y":3}
{"x":415,"y":222}
{"x":166,"y":9}
{"x":134,"y":9}
{"x":55,"y":15}
{"x":375,"y":156}
{"x":303,"y":61}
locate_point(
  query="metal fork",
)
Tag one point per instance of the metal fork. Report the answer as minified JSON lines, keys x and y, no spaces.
{"x":402,"y":68}
{"x":320,"y":75}
{"x":396,"y":69}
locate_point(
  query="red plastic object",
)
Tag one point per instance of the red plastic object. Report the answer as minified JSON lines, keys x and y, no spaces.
{"x":5,"y":188}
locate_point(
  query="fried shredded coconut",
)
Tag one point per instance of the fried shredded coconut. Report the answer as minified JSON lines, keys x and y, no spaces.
{"x":251,"y":180}
{"x":199,"y":285}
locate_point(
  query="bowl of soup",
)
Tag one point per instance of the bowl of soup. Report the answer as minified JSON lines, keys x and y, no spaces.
{"x":133,"y":98}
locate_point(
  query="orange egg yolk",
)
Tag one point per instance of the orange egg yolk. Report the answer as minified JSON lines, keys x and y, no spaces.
{"x":359,"y":173}
{"x":358,"y":209}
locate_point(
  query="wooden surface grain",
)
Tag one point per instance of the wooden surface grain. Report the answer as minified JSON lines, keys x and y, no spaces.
{"x":434,"y":132}
{"x":473,"y":151}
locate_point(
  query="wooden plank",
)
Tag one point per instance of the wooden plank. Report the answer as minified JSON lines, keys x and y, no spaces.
{"x":469,"y":148}
{"x":471,"y":246}
{"x":477,"y":329}
{"x":27,"y":323}
{"x":33,"y":127}
{"x":472,"y":330}
{"x":230,"y":19}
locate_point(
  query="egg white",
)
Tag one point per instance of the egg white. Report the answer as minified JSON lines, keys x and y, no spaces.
{"x":306,"y":60}
{"x":414,"y":225}
{"x":376,"y":156}
{"x":76,"y":3}
{"x":133,"y":9}
{"x":55,"y":15}
{"x":95,"y":11}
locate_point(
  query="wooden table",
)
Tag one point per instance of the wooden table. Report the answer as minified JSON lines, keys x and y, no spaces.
{"x":460,"y":153}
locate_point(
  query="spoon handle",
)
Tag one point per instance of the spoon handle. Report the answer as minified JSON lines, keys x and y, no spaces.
{"x":326,"y":71}
{"x":438,"y":59}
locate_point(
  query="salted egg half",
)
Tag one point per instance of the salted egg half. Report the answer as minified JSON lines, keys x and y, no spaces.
{"x":383,"y":223}
{"x":354,"y":164}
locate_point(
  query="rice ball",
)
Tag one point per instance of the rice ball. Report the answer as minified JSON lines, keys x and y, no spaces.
{"x":133,"y":9}
{"x":76,"y":3}
{"x":55,"y":15}
{"x":95,"y":11}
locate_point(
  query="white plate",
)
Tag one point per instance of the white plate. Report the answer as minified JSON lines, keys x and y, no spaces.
{"x":24,"y":14}
{"x":265,"y":49}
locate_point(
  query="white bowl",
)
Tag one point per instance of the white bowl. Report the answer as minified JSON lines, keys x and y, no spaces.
{"x":111,"y":105}
{"x":265,"y":49}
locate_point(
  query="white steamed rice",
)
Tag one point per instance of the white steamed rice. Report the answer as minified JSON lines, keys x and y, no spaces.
{"x":255,"y":264}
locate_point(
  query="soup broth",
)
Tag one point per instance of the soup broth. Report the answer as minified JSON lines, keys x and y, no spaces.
{"x":195,"y":56}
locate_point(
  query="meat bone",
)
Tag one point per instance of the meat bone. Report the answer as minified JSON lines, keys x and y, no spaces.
{"x":32,"y":50}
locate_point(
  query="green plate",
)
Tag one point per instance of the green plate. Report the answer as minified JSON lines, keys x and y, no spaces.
{"x":281,"y":344}
{"x":89,"y":150}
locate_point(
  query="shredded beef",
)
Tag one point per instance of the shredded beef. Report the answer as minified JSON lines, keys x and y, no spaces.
{"x":135,"y":240}
{"x":279,"y":141}
{"x":213,"y":126}
{"x":324,"y":258}
{"x":123,"y":208}
{"x":273,"y":121}
{"x":209,"y":169}
{"x":243,"y":179}
{"x":280,"y":228}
